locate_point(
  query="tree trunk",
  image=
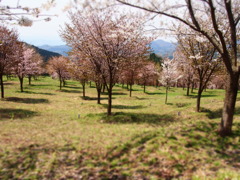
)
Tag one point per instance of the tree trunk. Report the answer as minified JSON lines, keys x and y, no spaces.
{"x":64,"y":83}
{"x":90,"y":84}
{"x":21,"y":83}
{"x":144,"y":88}
{"x":103,"y":88}
{"x":166,"y":95}
{"x":83,"y":87}
{"x":192,"y":87}
{"x":8,"y":77}
{"x":199,"y":100}
{"x":188,"y":87}
{"x":29,"y":80}
{"x":225,"y":127}
{"x":2,"y":86}
{"x":99,"y":96}
{"x":109,"y":110}
{"x":130,"y":91}
{"x":99,"y":89}
{"x":127,"y":87}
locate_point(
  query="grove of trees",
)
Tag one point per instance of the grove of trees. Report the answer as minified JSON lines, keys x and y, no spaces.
{"x":215,"y":21}
{"x":110,"y":47}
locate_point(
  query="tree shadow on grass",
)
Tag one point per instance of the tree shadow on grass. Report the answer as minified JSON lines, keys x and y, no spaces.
{"x":139,"y":98}
{"x":88,"y":98}
{"x":136,"y":141}
{"x":31,"y":92}
{"x":40,"y":85}
{"x":126,"y":118}
{"x":124,"y":106}
{"x":27,"y":100}
{"x":114,"y":93}
{"x":213,"y":114}
{"x":70,"y":91}
{"x":203,"y":135}
{"x":8,"y":83}
{"x":202,"y":96}
{"x":8,"y":113}
{"x":24,"y":160}
{"x":73,"y":87}
{"x":153,"y":93}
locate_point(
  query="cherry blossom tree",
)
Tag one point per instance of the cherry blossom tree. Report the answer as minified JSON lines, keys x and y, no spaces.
{"x":58,"y":68}
{"x":8,"y":46}
{"x":169,"y":74}
{"x":185,"y":69}
{"x":218,"y":22}
{"x":201,"y":58}
{"x":148,"y":74}
{"x":106,"y":39}
{"x":35,"y":67}
{"x":130,"y":75}
{"x":29,"y":63}
{"x":79,"y":70}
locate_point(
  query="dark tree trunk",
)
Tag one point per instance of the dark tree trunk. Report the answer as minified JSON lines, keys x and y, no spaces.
{"x":109,"y":110}
{"x":2,"y":86}
{"x":29,"y":80}
{"x":192,"y":87}
{"x":200,"y":90}
{"x":130,"y":91}
{"x":99,"y":89}
{"x":166,"y":98}
{"x":103,"y":88}
{"x":127,"y":87}
{"x":64,"y":83}
{"x":90,"y":84}
{"x":199,"y":100}
{"x":99,"y":96}
{"x":225,"y":128}
{"x":8,"y":77}
{"x":188,"y":88}
{"x":21,"y":83}
{"x":83,"y":87}
{"x":144,"y":87}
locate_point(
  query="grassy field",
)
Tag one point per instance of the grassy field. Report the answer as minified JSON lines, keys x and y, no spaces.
{"x":46,"y":133}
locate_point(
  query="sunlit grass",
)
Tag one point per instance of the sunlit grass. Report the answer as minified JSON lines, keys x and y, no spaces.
{"x":46,"y":132}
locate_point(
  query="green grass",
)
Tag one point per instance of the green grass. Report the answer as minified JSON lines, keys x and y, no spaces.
{"x":46,"y":133}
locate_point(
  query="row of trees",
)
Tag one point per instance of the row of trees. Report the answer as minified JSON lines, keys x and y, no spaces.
{"x":106,"y":43}
{"x":115,"y":58}
{"x":212,"y":21}
{"x":109,"y":49}
{"x":17,"y":58}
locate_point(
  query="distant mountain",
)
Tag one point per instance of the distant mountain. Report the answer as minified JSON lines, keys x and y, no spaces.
{"x":163,"y":48}
{"x":61,"y":49}
{"x":159,"y":47}
{"x":45,"y":54}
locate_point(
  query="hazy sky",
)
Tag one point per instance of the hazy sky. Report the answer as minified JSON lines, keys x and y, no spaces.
{"x":41,"y":32}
